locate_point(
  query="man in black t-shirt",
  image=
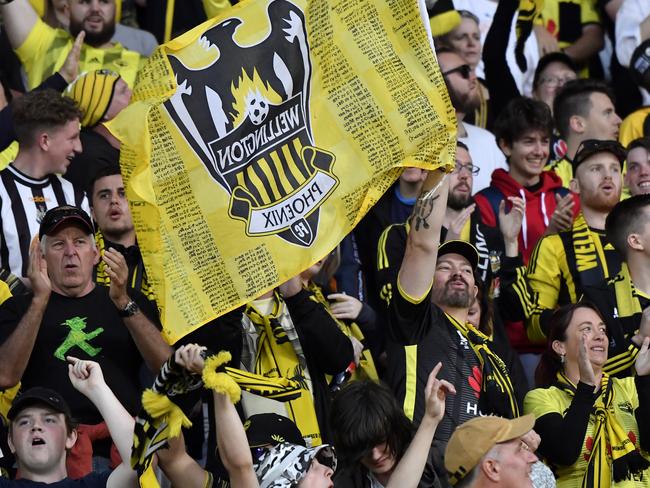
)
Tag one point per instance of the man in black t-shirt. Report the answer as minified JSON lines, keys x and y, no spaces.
{"x":67,"y":314}
{"x":429,"y":301}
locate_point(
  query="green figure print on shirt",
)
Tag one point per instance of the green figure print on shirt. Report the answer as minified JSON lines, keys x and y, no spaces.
{"x":77,"y":337}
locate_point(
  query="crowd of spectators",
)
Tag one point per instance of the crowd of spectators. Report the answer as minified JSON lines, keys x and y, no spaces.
{"x":485,"y":327}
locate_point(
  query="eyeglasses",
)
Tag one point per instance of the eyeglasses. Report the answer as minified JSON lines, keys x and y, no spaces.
{"x":464,"y":70}
{"x":555,"y":80}
{"x":468,"y":166}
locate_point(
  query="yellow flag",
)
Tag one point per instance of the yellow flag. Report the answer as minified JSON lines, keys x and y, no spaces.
{"x":256,"y":141}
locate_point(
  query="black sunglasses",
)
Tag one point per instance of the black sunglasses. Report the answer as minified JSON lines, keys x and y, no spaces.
{"x":463,"y":69}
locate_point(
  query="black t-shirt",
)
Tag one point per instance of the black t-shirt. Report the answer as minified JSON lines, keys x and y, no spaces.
{"x":87,"y":327}
{"x":421,"y":335}
{"x":93,"y":480}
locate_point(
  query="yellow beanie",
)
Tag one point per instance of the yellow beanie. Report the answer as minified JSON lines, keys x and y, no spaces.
{"x":443,"y":18}
{"x":93,"y":92}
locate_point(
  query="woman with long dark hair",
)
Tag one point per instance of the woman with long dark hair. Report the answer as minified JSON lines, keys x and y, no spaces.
{"x":595,"y":429}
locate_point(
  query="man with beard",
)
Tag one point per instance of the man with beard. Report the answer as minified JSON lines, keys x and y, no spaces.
{"x":563,"y":264}
{"x":463,"y":91}
{"x":428,"y":302}
{"x":43,"y":49}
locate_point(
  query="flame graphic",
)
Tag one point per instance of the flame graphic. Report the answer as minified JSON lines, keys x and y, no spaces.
{"x":246,"y":90}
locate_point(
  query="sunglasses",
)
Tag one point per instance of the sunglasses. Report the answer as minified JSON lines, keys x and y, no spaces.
{"x":464,"y":70}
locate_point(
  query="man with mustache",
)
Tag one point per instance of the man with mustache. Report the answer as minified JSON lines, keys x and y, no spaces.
{"x":428,"y":299}
{"x":563,"y":264}
{"x":43,"y":49}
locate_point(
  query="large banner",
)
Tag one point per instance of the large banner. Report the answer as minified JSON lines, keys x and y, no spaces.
{"x":259,"y":139}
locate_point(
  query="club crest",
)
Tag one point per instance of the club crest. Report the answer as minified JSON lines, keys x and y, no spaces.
{"x":245,"y":113}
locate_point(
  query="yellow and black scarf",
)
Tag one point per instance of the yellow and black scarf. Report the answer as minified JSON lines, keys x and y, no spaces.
{"x":588,"y":262}
{"x":626,"y":307}
{"x":280,"y":356}
{"x":496,"y":387}
{"x":610,"y":440}
{"x":528,"y":10}
{"x":175,"y":391}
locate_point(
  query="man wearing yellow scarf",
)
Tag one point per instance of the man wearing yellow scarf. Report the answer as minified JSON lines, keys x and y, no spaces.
{"x":288,"y":333}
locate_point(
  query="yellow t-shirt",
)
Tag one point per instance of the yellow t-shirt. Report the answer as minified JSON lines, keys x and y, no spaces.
{"x":542,"y":401}
{"x":45,"y":49}
{"x":632,"y":126}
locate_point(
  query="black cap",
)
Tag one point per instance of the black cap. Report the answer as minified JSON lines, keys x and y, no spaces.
{"x":589,"y":147}
{"x":463,"y":248}
{"x":640,"y":65}
{"x":64,"y":214}
{"x":39,"y":396}
{"x":270,"y":429}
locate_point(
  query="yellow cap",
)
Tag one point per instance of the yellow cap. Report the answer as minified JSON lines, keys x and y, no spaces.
{"x":93,"y":92}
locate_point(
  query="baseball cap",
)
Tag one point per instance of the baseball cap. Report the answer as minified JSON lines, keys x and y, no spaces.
{"x":463,"y":248}
{"x":473,"y":439}
{"x":640,"y":64}
{"x":269,"y":429}
{"x":39,"y":395}
{"x":64,"y":214}
{"x":589,"y":147}
{"x":285,"y":465}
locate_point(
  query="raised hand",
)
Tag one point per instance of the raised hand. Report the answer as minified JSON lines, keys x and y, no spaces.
{"x":510,"y":222}
{"x":70,"y":68}
{"x":435,"y":394}
{"x":642,"y":364}
{"x":562,"y":218}
{"x":85,"y":376}
{"x":585,"y":368}
{"x":532,"y":440}
{"x":456,"y":225}
{"x":37,"y":271}
{"x":345,"y":306}
{"x":118,"y":271}
{"x":190,"y":357}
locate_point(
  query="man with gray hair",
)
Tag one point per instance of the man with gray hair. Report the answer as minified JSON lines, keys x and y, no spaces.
{"x":67,"y":314}
{"x":491,"y":452}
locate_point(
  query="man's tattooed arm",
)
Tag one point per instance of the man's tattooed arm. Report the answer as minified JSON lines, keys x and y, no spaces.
{"x":418,"y":265}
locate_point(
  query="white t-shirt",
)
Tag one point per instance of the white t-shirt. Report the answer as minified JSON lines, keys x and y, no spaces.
{"x":484,"y":10}
{"x":485,"y":154}
{"x":628,"y":32}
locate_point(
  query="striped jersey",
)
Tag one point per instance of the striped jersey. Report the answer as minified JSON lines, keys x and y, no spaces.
{"x":23,"y":203}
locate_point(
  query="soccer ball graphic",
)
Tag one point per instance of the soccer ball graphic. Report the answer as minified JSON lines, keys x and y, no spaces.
{"x":257,"y":107}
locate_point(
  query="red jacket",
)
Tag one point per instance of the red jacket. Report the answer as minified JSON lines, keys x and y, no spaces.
{"x":540,"y":205}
